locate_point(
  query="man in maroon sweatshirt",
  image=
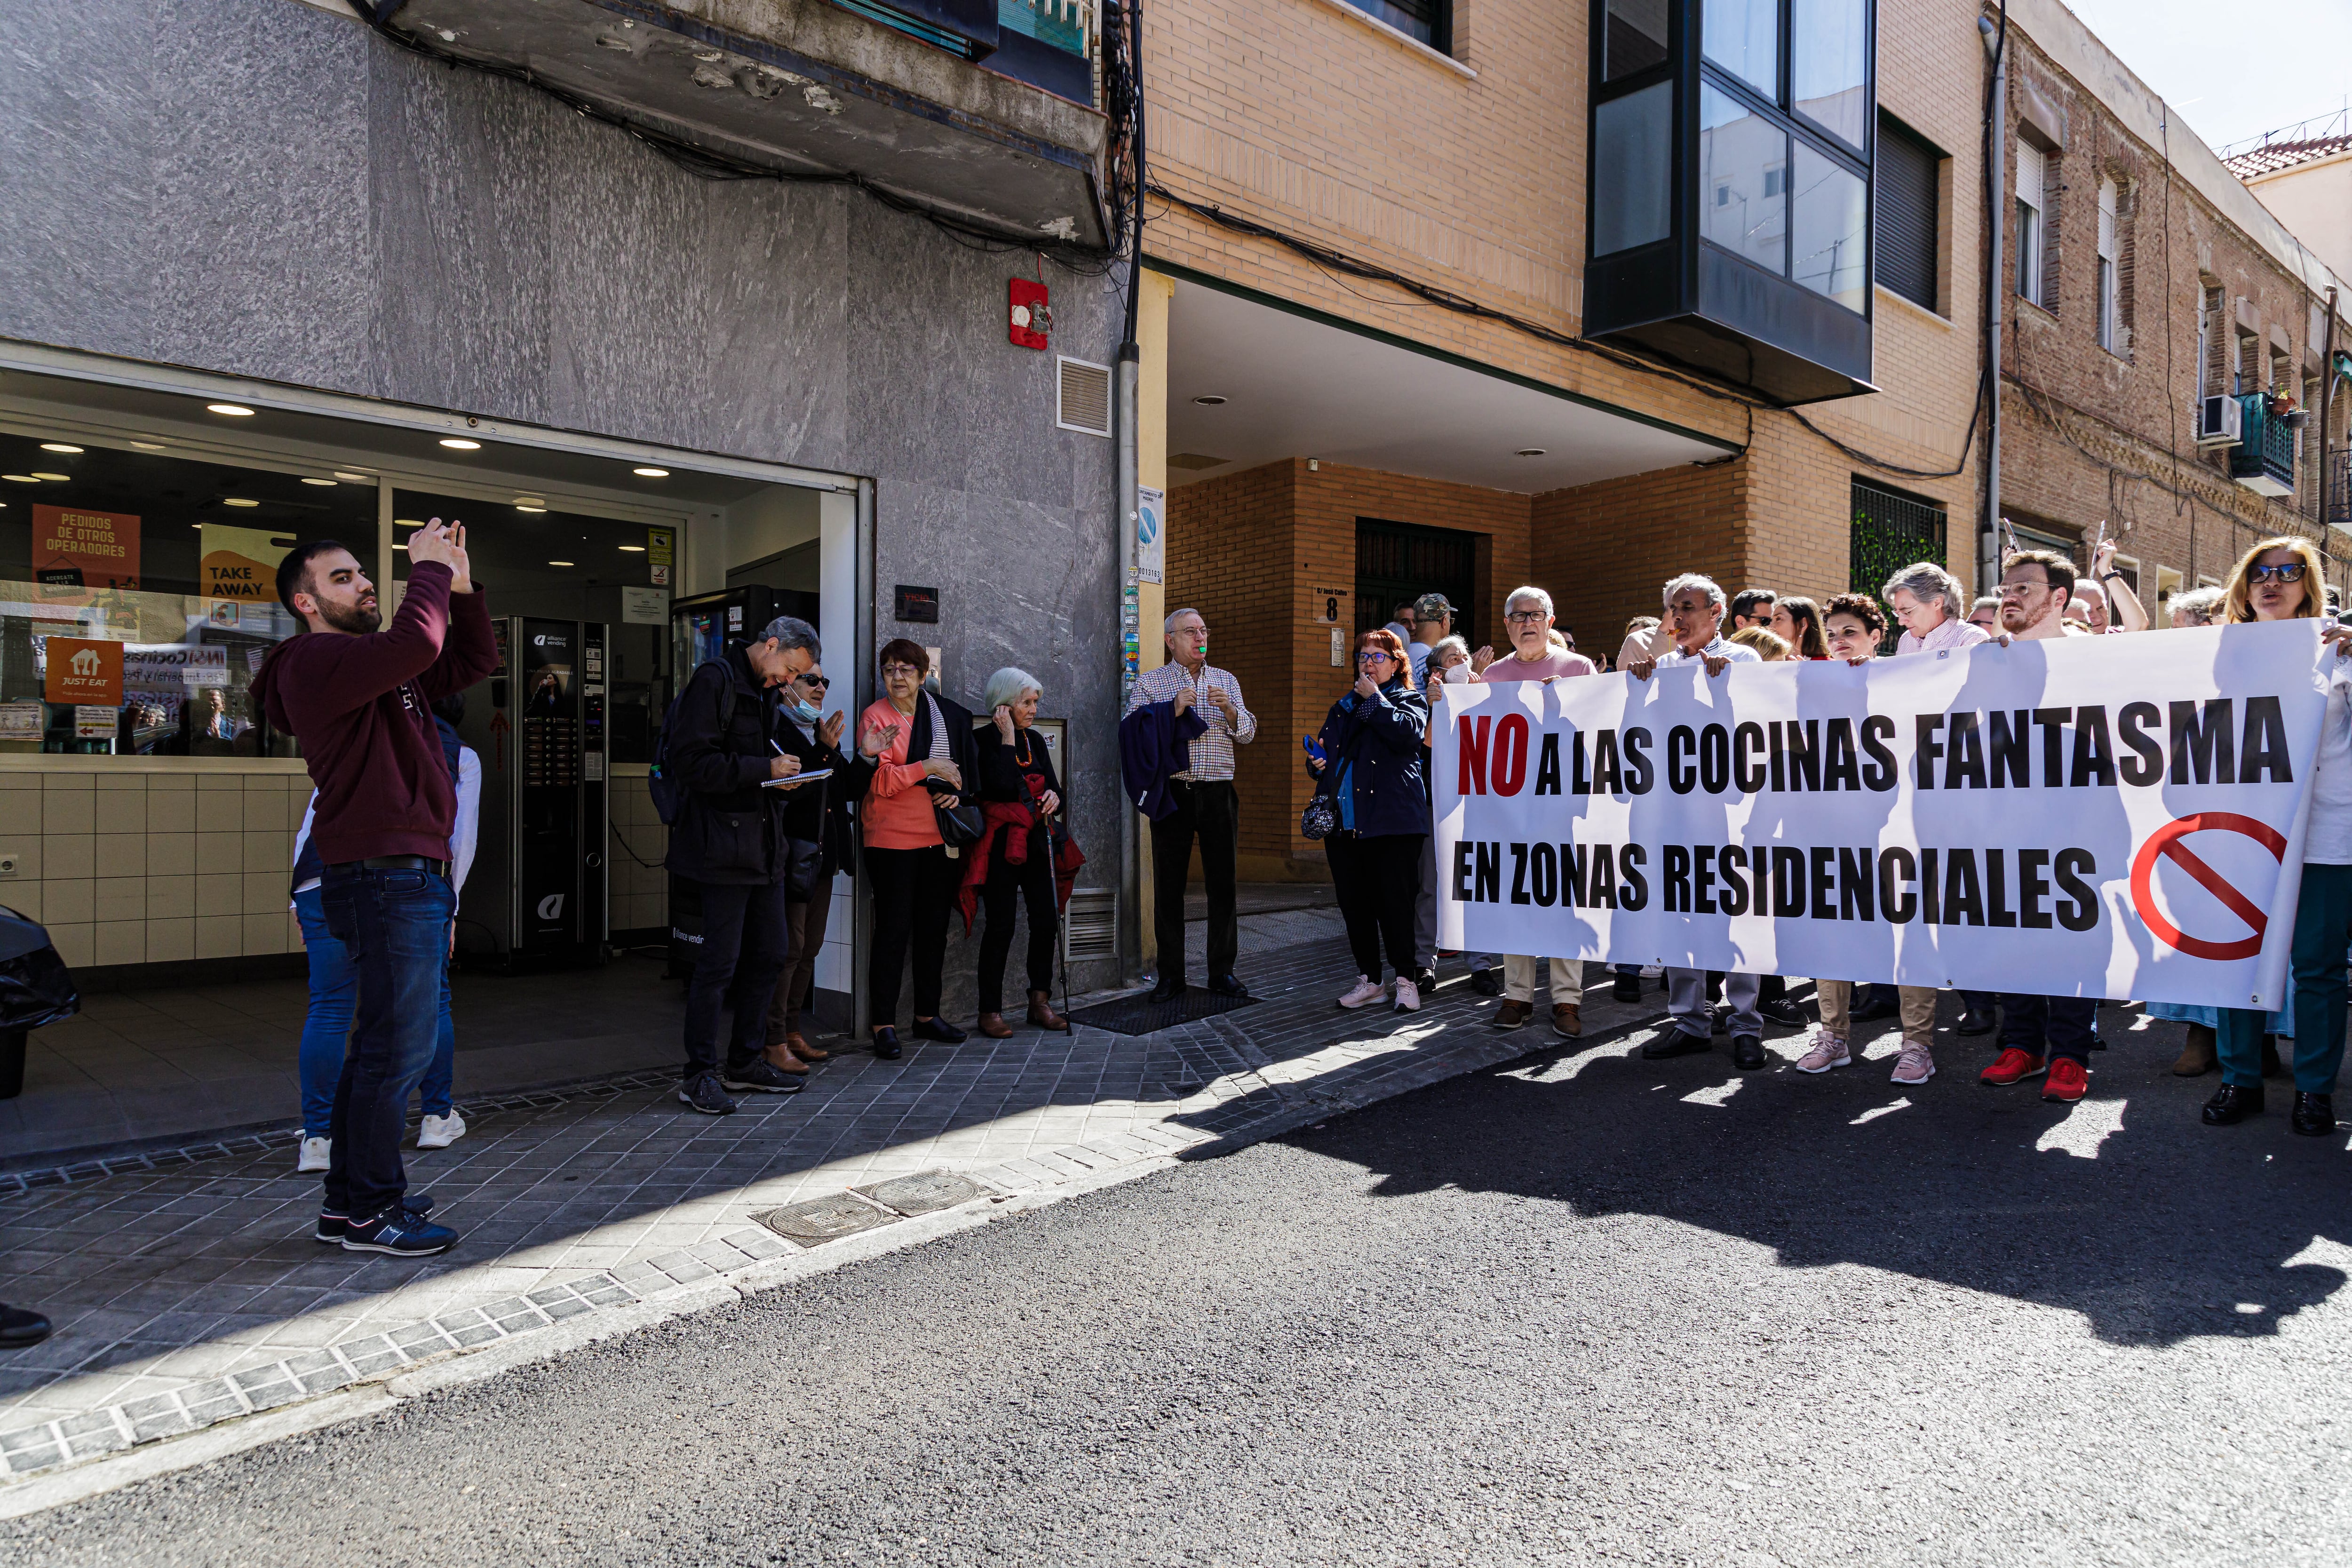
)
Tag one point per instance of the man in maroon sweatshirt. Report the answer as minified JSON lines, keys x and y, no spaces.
{"x":358,"y":695}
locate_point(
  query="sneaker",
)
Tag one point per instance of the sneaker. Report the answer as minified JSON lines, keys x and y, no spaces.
{"x":1485,"y":982}
{"x":440,"y":1132}
{"x":1653,"y":971}
{"x":1367,"y":992}
{"x":2012,"y":1065}
{"x":760,"y":1076}
{"x":1626,"y":988}
{"x":314,"y":1155}
{"x":1914,"y":1063}
{"x":401,"y":1232}
{"x":2069,"y":1081}
{"x":1783,"y":1013}
{"x":1826,"y":1051}
{"x":332,"y":1227}
{"x":1407,"y":995}
{"x":702,"y":1092}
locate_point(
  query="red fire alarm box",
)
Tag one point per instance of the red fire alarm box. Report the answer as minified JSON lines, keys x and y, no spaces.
{"x":1028,"y":319}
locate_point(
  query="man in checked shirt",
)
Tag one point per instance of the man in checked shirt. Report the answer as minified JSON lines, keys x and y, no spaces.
{"x":1206,"y":806}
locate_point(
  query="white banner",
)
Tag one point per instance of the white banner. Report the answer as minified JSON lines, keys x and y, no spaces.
{"x":2117,"y":817}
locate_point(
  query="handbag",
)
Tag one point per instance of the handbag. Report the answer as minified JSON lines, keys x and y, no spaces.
{"x":803,"y":859}
{"x":958,"y":825}
{"x":1320,"y":818}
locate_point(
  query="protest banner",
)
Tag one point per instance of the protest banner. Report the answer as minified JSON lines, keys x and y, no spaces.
{"x":2093,"y":816}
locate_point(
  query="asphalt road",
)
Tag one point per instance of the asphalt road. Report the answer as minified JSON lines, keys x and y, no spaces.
{"x":1559,"y":1313}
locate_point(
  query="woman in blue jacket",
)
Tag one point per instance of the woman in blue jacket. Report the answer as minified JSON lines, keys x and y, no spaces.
{"x":1370,"y":768}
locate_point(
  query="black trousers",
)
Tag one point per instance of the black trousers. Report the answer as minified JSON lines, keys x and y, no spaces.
{"x":1378,"y":880}
{"x":745,"y":946}
{"x":1030,"y":881}
{"x":1211,"y":812}
{"x":912,"y":892}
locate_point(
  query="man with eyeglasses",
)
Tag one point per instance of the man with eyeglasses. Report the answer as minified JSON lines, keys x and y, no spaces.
{"x":2039,"y":1034}
{"x":1207,"y":807}
{"x":1528,"y":617}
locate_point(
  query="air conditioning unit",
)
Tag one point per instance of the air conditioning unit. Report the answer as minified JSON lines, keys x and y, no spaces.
{"x":2221,"y":421}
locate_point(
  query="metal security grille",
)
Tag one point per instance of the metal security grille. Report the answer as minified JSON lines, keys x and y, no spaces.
{"x":1401,"y":561}
{"x":1890,"y":531}
{"x":1906,"y":211}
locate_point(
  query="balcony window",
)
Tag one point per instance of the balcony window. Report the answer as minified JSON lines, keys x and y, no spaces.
{"x":1424,"y":21}
{"x":1740,"y":241}
{"x":1743,"y":36}
{"x":1909,"y":174}
{"x":1829,"y":48}
{"x":2031,"y":165}
{"x":2110,"y":323}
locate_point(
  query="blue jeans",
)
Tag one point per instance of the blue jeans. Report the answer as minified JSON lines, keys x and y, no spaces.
{"x":394,"y":926}
{"x":334,"y":986}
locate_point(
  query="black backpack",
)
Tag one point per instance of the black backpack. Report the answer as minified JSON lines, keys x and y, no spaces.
{"x":670,"y":790}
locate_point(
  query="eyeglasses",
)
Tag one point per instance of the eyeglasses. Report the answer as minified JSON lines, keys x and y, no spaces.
{"x":2285,"y":572}
{"x":907,"y":669}
{"x":1374,"y":656}
{"x":1523,"y":617}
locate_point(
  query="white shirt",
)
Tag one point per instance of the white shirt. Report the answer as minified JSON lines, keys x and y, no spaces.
{"x":1951,"y":631}
{"x":462,"y":838}
{"x":2327,"y":841}
{"x":1721,"y":647}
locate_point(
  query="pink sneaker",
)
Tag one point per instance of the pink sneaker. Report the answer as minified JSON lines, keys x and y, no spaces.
{"x":1826,"y":1051}
{"x":1407,"y":995}
{"x":1915,"y":1064}
{"x":1367,"y":992}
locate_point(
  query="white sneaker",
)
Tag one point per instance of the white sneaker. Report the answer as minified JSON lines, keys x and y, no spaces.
{"x":440,"y":1132}
{"x":1407,"y":995}
{"x":314,"y":1155}
{"x":1367,"y":992}
{"x":1650,"y":972}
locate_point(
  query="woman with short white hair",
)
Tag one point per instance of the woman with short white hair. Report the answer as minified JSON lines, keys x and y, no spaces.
{"x":1932,"y":609}
{"x":1013,"y":862}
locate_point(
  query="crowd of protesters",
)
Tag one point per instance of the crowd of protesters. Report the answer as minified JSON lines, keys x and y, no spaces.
{"x":1372,"y":785}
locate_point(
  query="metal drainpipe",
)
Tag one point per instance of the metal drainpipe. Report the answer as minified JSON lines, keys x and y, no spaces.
{"x":1996,"y":162}
{"x":2326,"y":399}
{"x":1127,"y":502}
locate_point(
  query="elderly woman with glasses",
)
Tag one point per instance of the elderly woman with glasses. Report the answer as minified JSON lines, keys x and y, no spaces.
{"x":818,"y":837}
{"x":1368,"y":763}
{"x":922,"y":750}
{"x":2279,"y":580}
{"x":1013,"y":862}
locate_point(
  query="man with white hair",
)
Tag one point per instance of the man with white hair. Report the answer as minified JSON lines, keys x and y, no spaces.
{"x":1528,"y":617}
{"x":2197,"y":607}
{"x":1206,"y":806}
{"x":1692,"y":633}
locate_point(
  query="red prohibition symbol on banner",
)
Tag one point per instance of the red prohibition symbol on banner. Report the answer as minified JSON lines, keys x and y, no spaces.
{"x":2166,"y":841}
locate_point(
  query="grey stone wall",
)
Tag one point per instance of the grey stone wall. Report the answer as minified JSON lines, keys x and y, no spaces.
{"x":261,"y":188}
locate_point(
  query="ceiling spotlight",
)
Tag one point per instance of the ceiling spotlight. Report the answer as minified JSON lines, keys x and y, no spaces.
{"x":519,"y":506}
{"x":233,"y":410}
{"x":459,"y":444}
{"x":57,"y":446}
{"x":1528,"y":452}
{"x":237,"y":500}
{"x":308,"y":480}
{"x":53,"y":479}
{"x":559,"y":563}
{"x":146,"y":445}
{"x":651,"y":473}
{"x":1211,"y":401}
{"x":20,"y":478}
{"x":634,"y":549}
{"x":355,"y":479}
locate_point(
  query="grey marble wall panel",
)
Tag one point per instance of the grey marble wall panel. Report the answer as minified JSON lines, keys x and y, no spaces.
{"x":460,"y":171}
{"x":77,"y":190}
{"x":258,"y":242}
{"x":780,"y":351}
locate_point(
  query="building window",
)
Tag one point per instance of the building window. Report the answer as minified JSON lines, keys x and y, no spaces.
{"x":1829,"y":67}
{"x":2031,"y":170}
{"x":1743,"y":37}
{"x":1832,"y":235}
{"x":1909,"y":174}
{"x":1743,"y":163}
{"x":1633,"y":180}
{"x":1634,"y":37}
{"x":2111,"y":333}
{"x":1891,"y":530}
{"x":1424,"y":21}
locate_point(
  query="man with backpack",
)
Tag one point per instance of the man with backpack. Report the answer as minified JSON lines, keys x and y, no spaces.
{"x":718,"y":783}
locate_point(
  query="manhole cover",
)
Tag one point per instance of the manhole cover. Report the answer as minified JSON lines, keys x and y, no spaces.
{"x":822,"y":1219}
{"x":922,"y":1193}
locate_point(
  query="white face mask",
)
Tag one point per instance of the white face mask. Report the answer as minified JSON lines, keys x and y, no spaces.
{"x":1458,"y":674}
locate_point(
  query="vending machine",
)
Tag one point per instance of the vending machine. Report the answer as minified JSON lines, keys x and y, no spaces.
{"x":536,"y":897}
{"x":701,"y":625}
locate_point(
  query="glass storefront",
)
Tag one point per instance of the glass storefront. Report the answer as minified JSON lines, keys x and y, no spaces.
{"x":137,"y":599}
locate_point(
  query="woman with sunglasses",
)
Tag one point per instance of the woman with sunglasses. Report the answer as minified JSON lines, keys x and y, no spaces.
{"x":817,"y":830}
{"x":2279,"y":580}
{"x":1369,"y":765}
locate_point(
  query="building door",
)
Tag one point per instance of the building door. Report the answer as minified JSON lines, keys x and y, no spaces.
{"x":1401,"y":561}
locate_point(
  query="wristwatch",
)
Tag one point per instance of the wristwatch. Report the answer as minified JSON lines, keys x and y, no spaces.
{"x":2111,"y":576}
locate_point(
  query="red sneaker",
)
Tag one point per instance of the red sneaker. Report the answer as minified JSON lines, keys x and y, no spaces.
{"x":2069,"y":1081}
{"x":2011,"y":1065}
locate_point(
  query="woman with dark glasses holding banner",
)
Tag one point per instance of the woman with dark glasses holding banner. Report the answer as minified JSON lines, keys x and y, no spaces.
{"x":2279,"y":580}
{"x":1368,"y":764}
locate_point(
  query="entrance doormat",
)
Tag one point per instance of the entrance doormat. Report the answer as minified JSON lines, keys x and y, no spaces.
{"x":1138,"y":1014}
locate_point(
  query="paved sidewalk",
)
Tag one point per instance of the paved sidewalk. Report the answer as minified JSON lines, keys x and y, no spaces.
{"x":191,"y":1291}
